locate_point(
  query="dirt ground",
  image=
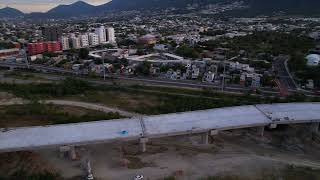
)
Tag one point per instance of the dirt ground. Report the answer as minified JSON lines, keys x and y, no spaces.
{"x":240,"y":153}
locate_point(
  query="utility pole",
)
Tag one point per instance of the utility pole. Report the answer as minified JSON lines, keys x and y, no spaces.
{"x":104,"y":68}
{"x":26,"y":58}
{"x":224,"y":71}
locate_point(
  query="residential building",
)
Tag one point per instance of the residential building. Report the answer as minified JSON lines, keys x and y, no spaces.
{"x":52,"y":46}
{"x":36,"y":48}
{"x":41,"y":47}
{"x":101,"y":32}
{"x":84,"y":39}
{"x":111,"y":35}
{"x":5,"y":53}
{"x":65,"y":43}
{"x":313,"y":60}
{"x":76,"y":42}
{"x":93,"y":39}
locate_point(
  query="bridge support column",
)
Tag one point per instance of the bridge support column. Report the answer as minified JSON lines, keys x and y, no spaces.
{"x":143,"y":144}
{"x":273,"y":126}
{"x":260,"y":131}
{"x":68,"y":150}
{"x":72,"y":153}
{"x":205,"y":138}
{"x":315,"y":127}
{"x":11,"y":68}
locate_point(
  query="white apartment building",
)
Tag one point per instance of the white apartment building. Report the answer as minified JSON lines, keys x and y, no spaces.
{"x":65,"y":43}
{"x":93,"y":39}
{"x":101,"y":32}
{"x":84,"y":38}
{"x":111,"y":36}
{"x":76,"y":42}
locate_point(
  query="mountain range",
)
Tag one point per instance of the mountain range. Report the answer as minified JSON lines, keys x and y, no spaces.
{"x":10,"y":12}
{"x":81,"y":8}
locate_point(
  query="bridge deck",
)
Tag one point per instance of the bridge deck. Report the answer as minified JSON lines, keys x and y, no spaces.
{"x":157,"y":126}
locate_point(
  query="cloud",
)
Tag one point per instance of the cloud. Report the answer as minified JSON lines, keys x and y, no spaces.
{"x":42,"y":5}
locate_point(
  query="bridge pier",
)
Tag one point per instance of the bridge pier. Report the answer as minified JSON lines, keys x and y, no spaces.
{"x":11,"y":68}
{"x":205,"y":136}
{"x":143,"y":144}
{"x":314,"y":127}
{"x":273,"y":126}
{"x":70,"y":150}
{"x":260,"y":131}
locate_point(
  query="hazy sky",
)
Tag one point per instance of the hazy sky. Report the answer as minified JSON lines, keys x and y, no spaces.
{"x":42,"y":5}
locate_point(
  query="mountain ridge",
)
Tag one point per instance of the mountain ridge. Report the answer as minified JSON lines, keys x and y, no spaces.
{"x":256,"y":7}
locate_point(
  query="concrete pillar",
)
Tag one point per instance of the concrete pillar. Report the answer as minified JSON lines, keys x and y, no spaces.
{"x":315,"y":127}
{"x":205,"y":138}
{"x":143,"y":144}
{"x":273,"y":126}
{"x":260,"y":131}
{"x":69,"y":150}
{"x":72,"y":153}
{"x":11,"y":68}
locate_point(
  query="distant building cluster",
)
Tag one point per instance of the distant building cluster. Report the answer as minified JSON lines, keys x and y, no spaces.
{"x":55,"y":41}
{"x":101,"y":35}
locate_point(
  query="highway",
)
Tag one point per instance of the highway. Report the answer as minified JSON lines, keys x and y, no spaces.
{"x":29,"y":138}
{"x":279,"y":66}
{"x":141,"y":80}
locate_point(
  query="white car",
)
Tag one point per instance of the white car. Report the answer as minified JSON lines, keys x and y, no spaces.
{"x":139,"y":177}
{"x":90,"y":177}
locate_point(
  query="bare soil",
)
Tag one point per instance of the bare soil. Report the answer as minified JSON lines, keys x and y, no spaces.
{"x":240,"y":154}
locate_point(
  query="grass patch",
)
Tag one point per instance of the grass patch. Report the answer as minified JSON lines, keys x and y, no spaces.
{"x":138,"y":99}
{"x":40,"y":114}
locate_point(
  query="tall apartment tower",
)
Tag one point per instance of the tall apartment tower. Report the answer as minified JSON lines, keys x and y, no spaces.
{"x":111,"y":36}
{"x":51,"y":33}
{"x":93,"y":39}
{"x":65,"y":43}
{"x":101,"y":32}
{"x":76,"y":42}
{"x":84,"y":40}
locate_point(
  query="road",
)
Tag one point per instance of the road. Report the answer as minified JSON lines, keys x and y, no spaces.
{"x":279,"y":65}
{"x":141,"y":80}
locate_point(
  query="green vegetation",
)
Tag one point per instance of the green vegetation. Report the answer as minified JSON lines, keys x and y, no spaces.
{"x":143,"y":68}
{"x":213,"y":32}
{"x":67,"y":87}
{"x":22,"y":174}
{"x":142,"y":99}
{"x":21,"y":75}
{"x":83,"y":53}
{"x":188,"y":52}
{"x":6,"y":45}
{"x":41,"y":114}
{"x":274,"y":43}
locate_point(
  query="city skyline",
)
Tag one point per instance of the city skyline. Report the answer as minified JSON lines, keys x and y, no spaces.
{"x":42,"y":5}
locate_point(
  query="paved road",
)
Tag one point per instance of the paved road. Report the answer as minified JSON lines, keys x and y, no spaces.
{"x":280,"y":67}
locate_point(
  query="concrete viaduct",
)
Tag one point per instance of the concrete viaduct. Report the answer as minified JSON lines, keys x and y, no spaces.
{"x":205,"y":122}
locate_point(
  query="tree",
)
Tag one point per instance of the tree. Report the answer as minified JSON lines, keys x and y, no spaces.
{"x":186,"y":51}
{"x":108,"y":46}
{"x":83,"y":53}
{"x":143,"y":68}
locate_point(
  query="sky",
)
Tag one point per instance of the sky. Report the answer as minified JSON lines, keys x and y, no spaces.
{"x":42,"y":5}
